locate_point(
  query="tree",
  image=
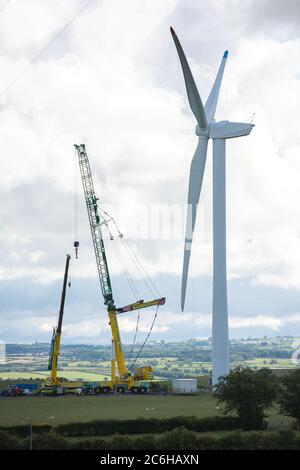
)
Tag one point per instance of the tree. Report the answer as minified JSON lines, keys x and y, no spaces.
{"x":248,"y":393}
{"x":289,"y":395}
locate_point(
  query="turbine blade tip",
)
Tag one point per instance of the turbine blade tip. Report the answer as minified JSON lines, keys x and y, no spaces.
{"x":225,"y":55}
{"x":172,"y":31}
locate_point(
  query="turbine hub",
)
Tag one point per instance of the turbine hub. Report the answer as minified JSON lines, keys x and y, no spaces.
{"x":200,"y":132}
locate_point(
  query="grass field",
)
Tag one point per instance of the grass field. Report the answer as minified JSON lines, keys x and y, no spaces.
{"x":57,"y":410}
{"x":70,"y":408}
{"x":269,"y":362}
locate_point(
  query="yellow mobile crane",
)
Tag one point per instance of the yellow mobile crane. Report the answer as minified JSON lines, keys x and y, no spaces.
{"x":121,"y":377}
{"x":53,"y":384}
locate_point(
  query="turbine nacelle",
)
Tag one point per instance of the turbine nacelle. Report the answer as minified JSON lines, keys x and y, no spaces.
{"x":229,"y":130}
{"x":224,"y":130}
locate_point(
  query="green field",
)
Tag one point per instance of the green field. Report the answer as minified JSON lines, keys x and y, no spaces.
{"x":66,"y":409}
{"x":70,"y":408}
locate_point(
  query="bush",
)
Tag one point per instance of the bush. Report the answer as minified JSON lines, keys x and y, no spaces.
{"x":257,"y":441}
{"x":289,"y":395}
{"x":9,"y":441}
{"x":178,"y":439}
{"x":233,"y":441}
{"x":88,"y":444}
{"x":145,"y":443}
{"x":206,"y":443}
{"x":49,"y":441}
{"x":286,"y":440}
{"x":121,"y":443}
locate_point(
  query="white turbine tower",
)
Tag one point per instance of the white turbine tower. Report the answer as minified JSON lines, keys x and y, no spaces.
{"x":207,"y":128}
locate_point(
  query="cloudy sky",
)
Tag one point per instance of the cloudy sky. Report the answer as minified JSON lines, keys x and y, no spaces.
{"x":106,"y":73}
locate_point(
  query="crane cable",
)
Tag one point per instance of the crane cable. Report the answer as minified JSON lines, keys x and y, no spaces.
{"x":129,"y":280}
{"x":145,"y":276}
{"x":75,"y":197}
{"x":135,"y":335}
{"x":153,"y":290}
{"x":124,"y":267}
{"x":145,"y":341}
{"x":138,"y":265}
{"x":149,"y":283}
{"x":140,"y":268}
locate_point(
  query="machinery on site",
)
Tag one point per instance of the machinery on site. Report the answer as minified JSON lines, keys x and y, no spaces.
{"x":122,"y":378}
{"x":12,"y":391}
{"x":53,"y":384}
{"x":20,"y":389}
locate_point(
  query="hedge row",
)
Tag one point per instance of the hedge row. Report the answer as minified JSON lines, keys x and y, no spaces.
{"x":178,"y":439}
{"x":23,"y":430}
{"x":147,"y":426}
{"x":132,"y":426}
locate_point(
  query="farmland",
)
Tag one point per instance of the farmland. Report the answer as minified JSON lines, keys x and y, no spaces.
{"x":169,"y":360}
{"x":66,"y":409}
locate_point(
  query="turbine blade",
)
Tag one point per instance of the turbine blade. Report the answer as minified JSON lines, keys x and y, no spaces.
{"x":192,"y":92}
{"x":185,"y":271}
{"x":195,"y":184}
{"x":212,"y":101}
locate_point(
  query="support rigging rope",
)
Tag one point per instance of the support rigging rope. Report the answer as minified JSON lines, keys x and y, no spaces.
{"x":135,"y":335}
{"x":142,"y":271}
{"x":124,"y":267}
{"x":75,"y":196}
{"x":145,"y":276}
{"x":145,"y":341}
{"x":134,"y":259}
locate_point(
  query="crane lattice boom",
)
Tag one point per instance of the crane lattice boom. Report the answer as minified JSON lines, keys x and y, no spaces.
{"x":94,"y":218}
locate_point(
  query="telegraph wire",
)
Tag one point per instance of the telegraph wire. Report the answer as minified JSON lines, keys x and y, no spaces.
{"x":4,"y":6}
{"x":36,"y":58}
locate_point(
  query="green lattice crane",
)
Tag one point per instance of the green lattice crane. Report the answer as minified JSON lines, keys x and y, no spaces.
{"x":121,"y":377}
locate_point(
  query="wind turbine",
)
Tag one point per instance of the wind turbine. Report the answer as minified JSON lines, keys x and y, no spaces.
{"x":207,"y":128}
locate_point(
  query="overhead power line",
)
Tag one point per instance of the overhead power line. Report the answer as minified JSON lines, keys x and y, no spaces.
{"x":37,"y":57}
{"x":4,"y":6}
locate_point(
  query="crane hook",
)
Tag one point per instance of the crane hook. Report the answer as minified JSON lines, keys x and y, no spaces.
{"x":76,"y":246}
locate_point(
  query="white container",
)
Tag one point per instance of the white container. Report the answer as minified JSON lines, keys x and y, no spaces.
{"x":185,"y":386}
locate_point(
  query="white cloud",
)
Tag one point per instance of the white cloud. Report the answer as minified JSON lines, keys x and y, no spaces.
{"x":113,"y":80}
{"x":261,"y":320}
{"x":46,"y":327}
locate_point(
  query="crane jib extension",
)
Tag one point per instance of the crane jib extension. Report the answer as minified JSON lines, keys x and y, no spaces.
{"x":124,"y":376}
